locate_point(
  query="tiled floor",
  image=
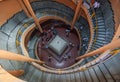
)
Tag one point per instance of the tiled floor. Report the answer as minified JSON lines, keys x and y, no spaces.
{"x":52,"y":59}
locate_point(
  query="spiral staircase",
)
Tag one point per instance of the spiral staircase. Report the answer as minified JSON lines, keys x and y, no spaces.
{"x":19,"y":35}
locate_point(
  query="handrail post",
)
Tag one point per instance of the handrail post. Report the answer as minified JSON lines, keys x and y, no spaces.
{"x":77,"y":11}
{"x":110,"y":46}
{"x":24,"y":7}
{"x":28,"y":6}
{"x":115,"y":43}
{"x":12,"y":56}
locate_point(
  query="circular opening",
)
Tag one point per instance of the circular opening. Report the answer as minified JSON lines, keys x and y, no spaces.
{"x":58,"y":46}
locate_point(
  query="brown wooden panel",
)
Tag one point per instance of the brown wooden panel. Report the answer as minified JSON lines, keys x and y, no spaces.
{"x":7,"y":9}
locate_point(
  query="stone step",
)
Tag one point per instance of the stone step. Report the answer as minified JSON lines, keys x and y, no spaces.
{"x":68,"y":78}
{"x":93,"y":75}
{"x":106,"y":73}
{"x":63,"y":78}
{"x":101,"y":38}
{"x":88,"y":76}
{"x":113,"y":70}
{"x":101,"y":42}
{"x":3,"y":41}
{"x":101,"y":27}
{"x":100,"y":21}
{"x":28,"y":74}
{"x":83,"y":77}
{"x":36,"y":75}
{"x":99,"y":74}
{"x":77,"y":77}
{"x":101,"y":30}
{"x":6,"y":64}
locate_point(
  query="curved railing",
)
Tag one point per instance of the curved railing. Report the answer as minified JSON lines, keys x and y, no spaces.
{"x":23,"y":33}
{"x":62,"y":71}
{"x":101,"y":27}
{"x":19,"y":33}
{"x":45,"y":12}
{"x":46,"y":71}
{"x":93,"y":41}
{"x":103,"y":58}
